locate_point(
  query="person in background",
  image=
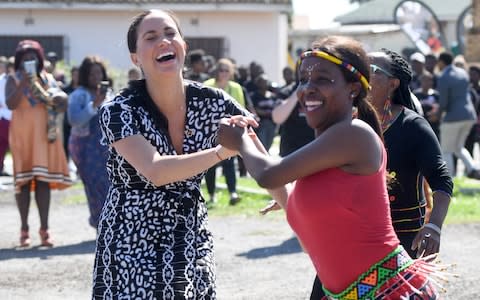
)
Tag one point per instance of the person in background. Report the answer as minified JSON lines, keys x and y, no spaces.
{"x":339,"y":207}
{"x":460,"y":62}
{"x":134,"y":74}
{"x":474,"y":135}
{"x":288,"y":76}
{"x":263,"y":102}
{"x":474,"y":74}
{"x":73,"y":84}
{"x":429,"y":98}
{"x":242,"y":75}
{"x":39,"y":163}
{"x":430,"y":63}
{"x":5,"y":116}
{"x":417,"y":61}
{"x":289,"y":115}
{"x":457,"y":114}
{"x":59,"y":76}
{"x":413,"y":153}
{"x":255,"y":69}
{"x":210,"y":62}
{"x":66,"y":125}
{"x":89,"y":156}
{"x":11,"y":65}
{"x":223,"y":80}
{"x":3,"y":65}
{"x":198,"y":66}
{"x":153,"y":239}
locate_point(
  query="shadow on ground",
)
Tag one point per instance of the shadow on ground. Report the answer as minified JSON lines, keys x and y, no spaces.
{"x":289,"y":246}
{"x":85,"y":247}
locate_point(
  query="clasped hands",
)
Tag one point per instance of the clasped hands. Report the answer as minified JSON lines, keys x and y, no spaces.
{"x":232,"y":130}
{"x":231,"y":134}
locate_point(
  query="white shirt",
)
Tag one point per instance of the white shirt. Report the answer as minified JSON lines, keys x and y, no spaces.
{"x":5,"y":113}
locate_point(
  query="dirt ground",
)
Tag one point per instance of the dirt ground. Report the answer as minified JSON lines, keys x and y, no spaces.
{"x":257,"y":257}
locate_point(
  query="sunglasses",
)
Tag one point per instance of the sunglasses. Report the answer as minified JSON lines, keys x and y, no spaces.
{"x":223,"y":70}
{"x":375,"y":68}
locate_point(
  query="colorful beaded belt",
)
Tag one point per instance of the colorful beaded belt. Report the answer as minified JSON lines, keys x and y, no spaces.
{"x":371,"y":281}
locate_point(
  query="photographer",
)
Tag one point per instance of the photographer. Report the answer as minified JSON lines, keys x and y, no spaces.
{"x":39,"y":160}
{"x":87,"y":153}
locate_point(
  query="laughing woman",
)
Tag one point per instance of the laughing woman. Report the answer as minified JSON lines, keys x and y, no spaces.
{"x":339,"y":207}
{"x":153,"y":240}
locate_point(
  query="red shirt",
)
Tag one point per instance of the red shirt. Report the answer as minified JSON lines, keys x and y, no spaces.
{"x":344,"y":223}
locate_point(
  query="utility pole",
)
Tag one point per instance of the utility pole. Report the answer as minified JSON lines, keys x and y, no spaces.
{"x":472,"y":51}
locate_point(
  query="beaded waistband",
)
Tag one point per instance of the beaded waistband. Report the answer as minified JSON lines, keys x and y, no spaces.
{"x":369,"y":282}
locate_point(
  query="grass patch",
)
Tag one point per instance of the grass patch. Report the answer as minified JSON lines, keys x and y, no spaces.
{"x":74,"y":194}
{"x":253,"y":198}
{"x":75,"y":199}
{"x":465,"y":204}
{"x":464,"y":207}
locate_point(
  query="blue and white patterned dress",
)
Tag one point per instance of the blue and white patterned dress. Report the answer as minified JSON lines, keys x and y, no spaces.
{"x":153,"y":241}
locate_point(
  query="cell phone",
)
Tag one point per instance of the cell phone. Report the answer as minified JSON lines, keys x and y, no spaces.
{"x":104,"y":85}
{"x":30,"y":66}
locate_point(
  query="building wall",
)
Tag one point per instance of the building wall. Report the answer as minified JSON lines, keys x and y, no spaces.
{"x":260,"y":37}
{"x":249,"y":36}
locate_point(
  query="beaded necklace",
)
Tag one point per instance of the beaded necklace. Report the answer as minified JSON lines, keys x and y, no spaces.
{"x":387,"y":116}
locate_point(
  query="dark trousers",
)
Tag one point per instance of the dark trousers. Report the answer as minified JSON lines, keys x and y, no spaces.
{"x":229,"y":173}
{"x":471,"y":139}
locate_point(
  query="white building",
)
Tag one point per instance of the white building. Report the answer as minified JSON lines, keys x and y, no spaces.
{"x":248,"y":30}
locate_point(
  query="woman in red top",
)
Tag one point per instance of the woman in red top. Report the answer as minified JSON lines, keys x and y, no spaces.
{"x":339,"y":206}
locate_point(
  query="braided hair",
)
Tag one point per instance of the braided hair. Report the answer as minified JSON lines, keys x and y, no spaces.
{"x":401,"y":70}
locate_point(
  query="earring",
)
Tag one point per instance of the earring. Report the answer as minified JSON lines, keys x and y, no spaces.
{"x":352,"y":95}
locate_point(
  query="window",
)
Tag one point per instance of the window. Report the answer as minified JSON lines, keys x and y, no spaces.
{"x":211,"y":46}
{"x":49,"y":43}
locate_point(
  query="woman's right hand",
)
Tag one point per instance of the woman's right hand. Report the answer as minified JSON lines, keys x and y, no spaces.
{"x":230,"y":135}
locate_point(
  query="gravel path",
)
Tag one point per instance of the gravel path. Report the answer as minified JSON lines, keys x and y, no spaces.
{"x":257,"y":257}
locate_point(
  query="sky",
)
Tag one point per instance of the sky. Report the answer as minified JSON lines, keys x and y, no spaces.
{"x":321,"y":12}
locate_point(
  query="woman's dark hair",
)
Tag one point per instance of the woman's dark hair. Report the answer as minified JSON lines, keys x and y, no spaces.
{"x":85,"y":68}
{"x":351,"y":51}
{"x":132,"y":34}
{"x":401,"y":70}
{"x":25,"y":46}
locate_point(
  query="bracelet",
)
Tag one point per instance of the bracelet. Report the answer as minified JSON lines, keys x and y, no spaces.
{"x":433,"y":227}
{"x":218,"y":155}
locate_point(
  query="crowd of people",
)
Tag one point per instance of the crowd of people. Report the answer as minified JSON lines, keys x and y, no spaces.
{"x":369,"y":144}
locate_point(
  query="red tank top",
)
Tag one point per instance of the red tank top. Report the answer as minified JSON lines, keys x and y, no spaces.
{"x":343,"y":221}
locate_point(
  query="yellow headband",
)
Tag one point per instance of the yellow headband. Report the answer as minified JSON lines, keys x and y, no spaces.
{"x":322,"y":54}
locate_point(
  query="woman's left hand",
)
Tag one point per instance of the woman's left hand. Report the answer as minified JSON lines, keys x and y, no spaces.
{"x":427,"y":242}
